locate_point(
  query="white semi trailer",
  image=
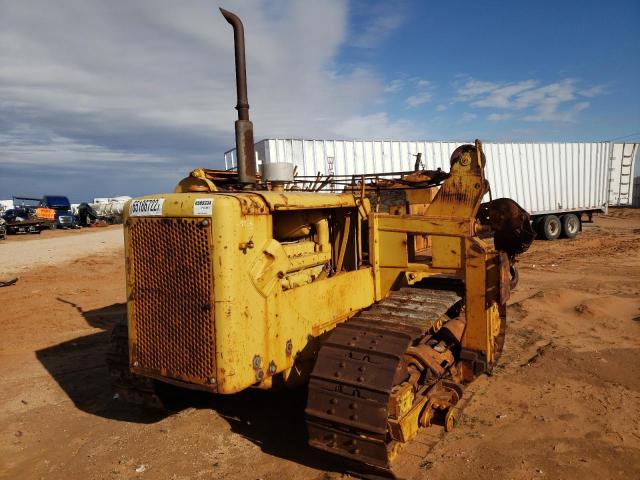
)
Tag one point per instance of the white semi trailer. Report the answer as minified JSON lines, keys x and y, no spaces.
{"x":559,"y":184}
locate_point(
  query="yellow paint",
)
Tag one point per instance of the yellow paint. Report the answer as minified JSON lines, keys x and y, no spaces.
{"x":493,"y":320}
{"x":253,"y":314}
{"x":443,"y":226}
{"x":405,"y":428}
{"x":401,"y":401}
{"x":476,"y":336}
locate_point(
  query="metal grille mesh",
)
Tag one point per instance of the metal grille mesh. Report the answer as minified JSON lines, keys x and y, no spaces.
{"x":170,"y":266}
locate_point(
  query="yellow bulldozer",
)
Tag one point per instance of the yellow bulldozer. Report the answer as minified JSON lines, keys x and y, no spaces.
{"x":384,"y":299}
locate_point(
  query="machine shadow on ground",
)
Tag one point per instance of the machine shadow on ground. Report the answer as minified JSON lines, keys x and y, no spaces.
{"x":272,"y":420}
{"x":275,"y":422}
{"x":80,"y":369}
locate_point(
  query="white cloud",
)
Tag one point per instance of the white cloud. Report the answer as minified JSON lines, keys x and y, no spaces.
{"x":380,"y":19}
{"x":499,"y":117}
{"x":92,"y":82}
{"x":418,"y":99}
{"x":48,"y":154}
{"x":394,"y":86}
{"x":549,"y":113}
{"x":441,"y":107}
{"x":468,"y":116}
{"x":472,"y":88}
{"x":377,"y":126}
{"x":593,"y":91}
{"x":423,"y":92}
{"x":409,"y":83}
{"x":553,"y":102}
{"x":502,"y":97}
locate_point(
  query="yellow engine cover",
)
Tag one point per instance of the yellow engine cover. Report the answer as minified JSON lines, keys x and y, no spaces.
{"x":207,"y":302}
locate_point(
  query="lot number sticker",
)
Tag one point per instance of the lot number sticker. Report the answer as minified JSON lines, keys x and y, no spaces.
{"x":203,"y":206}
{"x":146,"y":208}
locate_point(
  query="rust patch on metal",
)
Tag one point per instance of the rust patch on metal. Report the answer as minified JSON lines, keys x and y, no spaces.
{"x":505,"y":278}
{"x":251,"y":204}
{"x":172,"y":300}
{"x":510,"y":223}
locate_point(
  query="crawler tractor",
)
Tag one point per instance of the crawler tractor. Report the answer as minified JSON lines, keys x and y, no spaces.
{"x":377,"y":292}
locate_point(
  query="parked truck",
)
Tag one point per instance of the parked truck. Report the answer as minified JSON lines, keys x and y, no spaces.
{"x":26,"y":216}
{"x":560,"y":184}
{"x":63,"y":215}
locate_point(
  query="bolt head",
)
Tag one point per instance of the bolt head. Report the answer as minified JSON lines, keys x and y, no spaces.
{"x":272,"y":368}
{"x":257,"y":361}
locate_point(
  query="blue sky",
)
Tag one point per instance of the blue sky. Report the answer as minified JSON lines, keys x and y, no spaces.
{"x":573,"y":68}
{"x":112,"y":98}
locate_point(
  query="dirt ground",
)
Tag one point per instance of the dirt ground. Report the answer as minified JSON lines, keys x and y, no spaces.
{"x":23,"y":252}
{"x":564,"y":402}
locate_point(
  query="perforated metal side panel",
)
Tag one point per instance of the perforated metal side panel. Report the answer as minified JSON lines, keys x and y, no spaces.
{"x":172,"y":305}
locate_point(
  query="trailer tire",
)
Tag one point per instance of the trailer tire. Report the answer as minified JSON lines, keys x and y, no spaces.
{"x":570,"y":225}
{"x":551,"y":227}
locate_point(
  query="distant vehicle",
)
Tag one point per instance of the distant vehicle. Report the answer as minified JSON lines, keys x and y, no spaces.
{"x":86,"y":215}
{"x":35,"y":214}
{"x":22,"y":219}
{"x":64,"y":217}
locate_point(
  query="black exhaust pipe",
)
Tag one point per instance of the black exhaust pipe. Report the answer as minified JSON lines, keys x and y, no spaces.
{"x":245,"y":150}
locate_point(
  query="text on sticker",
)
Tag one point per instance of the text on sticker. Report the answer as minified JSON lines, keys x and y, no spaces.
{"x":146,"y":207}
{"x":203,"y":206}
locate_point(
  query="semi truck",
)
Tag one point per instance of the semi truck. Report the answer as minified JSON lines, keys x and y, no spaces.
{"x":63,"y":216}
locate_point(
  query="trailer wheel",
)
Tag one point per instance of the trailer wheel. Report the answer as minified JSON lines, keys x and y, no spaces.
{"x":551,"y":227}
{"x":570,"y":225}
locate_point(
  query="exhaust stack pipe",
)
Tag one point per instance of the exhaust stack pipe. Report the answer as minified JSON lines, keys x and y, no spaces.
{"x":245,"y":150}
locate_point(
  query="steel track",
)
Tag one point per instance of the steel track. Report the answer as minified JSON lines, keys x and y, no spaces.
{"x":351,"y":383}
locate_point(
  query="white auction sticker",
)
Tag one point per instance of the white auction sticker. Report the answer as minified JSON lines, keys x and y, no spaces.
{"x":203,"y":206}
{"x":146,"y":208}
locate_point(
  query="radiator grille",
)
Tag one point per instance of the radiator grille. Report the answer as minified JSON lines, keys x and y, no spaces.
{"x":170,"y":270}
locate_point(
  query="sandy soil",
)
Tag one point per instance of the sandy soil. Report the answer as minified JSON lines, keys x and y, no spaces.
{"x":22,"y":252}
{"x":563,"y":403}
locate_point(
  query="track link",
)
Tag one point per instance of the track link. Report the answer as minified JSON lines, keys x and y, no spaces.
{"x":357,"y":368}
